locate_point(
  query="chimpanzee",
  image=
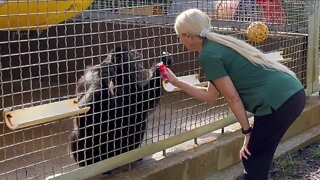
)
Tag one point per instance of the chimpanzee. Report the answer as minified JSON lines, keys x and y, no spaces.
{"x":120,"y":93}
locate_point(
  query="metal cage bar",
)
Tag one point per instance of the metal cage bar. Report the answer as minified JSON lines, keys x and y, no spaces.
{"x":313,"y":47}
{"x":46,"y":48}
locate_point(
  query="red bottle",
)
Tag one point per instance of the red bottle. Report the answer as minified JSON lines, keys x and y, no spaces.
{"x":162,"y":69}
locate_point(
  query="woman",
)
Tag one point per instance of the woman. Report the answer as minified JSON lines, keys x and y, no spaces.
{"x":249,"y":81}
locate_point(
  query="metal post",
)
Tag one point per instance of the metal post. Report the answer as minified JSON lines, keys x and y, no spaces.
{"x":164,"y":153}
{"x":316,"y":82}
{"x":196,"y":141}
{"x":313,"y":47}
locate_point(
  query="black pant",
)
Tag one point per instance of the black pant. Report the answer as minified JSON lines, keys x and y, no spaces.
{"x":266,"y":135}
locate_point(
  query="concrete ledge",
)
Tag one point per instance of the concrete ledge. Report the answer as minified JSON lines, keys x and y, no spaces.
{"x":219,"y":159}
{"x":290,"y":145}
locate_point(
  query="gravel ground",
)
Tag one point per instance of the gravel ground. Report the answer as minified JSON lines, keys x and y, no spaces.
{"x":303,"y":165}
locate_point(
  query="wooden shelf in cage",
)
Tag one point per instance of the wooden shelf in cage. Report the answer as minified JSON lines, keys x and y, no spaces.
{"x":143,"y":10}
{"x":43,"y":113}
{"x":277,"y":56}
{"x":191,"y":79}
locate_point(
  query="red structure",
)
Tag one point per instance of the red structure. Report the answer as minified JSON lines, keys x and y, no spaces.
{"x":272,"y":11}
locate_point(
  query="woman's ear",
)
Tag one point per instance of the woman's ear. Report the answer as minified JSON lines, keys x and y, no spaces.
{"x":189,"y":36}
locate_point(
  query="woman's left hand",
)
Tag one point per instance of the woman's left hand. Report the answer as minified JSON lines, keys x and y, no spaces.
{"x":244,"y":152}
{"x":171,"y":77}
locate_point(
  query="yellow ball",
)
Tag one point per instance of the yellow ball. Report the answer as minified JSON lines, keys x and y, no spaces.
{"x":257,"y":32}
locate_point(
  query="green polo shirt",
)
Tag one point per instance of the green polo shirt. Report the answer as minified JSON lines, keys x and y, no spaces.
{"x":260,"y":89}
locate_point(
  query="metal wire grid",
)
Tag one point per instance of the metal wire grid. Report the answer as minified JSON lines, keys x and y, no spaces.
{"x":318,"y":70}
{"x":41,"y":67}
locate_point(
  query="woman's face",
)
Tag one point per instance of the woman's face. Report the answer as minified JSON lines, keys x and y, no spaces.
{"x":186,"y":40}
{"x":189,"y":41}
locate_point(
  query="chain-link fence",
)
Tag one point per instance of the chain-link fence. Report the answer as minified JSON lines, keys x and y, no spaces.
{"x":47,"y":46}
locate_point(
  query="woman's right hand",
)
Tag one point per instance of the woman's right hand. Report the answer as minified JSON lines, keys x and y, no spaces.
{"x":171,"y":77}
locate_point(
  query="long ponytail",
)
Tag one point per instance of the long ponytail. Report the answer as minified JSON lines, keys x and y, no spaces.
{"x":253,"y":54}
{"x":196,"y":22}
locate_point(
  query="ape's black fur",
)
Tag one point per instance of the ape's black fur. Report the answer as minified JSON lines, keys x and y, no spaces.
{"x":120,"y":93}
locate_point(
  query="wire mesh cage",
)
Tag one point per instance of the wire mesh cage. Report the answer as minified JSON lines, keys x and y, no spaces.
{"x":45,"y":54}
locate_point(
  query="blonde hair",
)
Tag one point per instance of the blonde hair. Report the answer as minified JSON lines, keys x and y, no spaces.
{"x":194,"y":21}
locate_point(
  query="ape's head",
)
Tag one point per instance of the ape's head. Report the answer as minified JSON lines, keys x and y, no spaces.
{"x":128,"y":63}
